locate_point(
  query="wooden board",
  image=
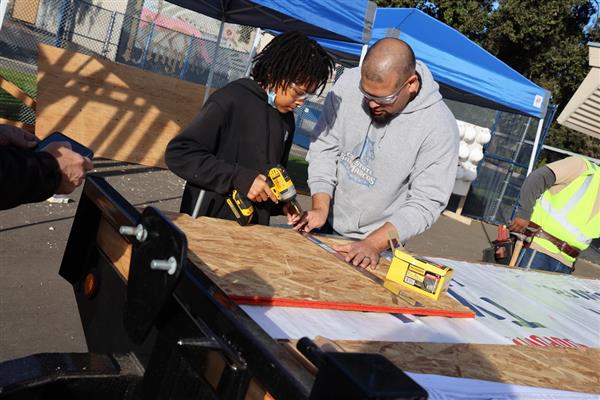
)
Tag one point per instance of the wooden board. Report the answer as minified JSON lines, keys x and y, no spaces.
{"x":120,"y":112}
{"x":19,"y":124}
{"x":276,"y":266}
{"x":16,"y":92}
{"x":549,"y":367}
{"x":115,"y":247}
{"x":26,"y":10}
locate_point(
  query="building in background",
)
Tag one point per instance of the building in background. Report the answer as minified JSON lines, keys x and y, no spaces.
{"x":582,"y":112}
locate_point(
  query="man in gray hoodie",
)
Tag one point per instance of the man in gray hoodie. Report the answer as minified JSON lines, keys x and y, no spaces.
{"x":383,"y":156}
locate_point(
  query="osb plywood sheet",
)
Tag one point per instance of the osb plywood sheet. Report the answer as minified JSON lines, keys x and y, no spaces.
{"x":274,"y":266}
{"x":118,"y":111}
{"x":26,"y":10}
{"x":549,"y":367}
{"x":115,"y":247}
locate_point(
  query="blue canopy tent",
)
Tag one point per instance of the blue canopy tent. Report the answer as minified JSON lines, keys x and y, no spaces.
{"x":319,"y":18}
{"x":470,"y":73}
{"x":466,"y":72}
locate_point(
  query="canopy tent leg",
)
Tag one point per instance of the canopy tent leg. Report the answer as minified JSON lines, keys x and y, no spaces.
{"x":206,"y":94}
{"x":3,"y":5}
{"x":257,"y":37}
{"x":536,"y":143}
{"x":186,"y":61}
{"x":212,"y":66}
{"x":363,"y":53}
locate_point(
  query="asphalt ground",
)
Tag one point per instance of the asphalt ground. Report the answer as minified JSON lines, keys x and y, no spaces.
{"x":38,"y":312}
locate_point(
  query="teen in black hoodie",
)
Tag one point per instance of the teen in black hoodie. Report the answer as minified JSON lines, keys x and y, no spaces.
{"x":247,"y":127}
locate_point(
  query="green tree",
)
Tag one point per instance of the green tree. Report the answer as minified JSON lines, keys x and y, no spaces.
{"x":546,"y":42}
{"x":467,"y":16}
{"x":543,"y":40}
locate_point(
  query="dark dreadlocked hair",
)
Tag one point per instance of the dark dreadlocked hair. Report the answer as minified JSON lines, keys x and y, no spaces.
{"x":292,"y":57}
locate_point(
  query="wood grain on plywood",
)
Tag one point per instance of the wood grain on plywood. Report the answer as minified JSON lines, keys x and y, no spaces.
{"x":274,"y":266}
{"x":119,"y":111}
{"x":547,"y":367}
{"x":26,"y":10}
{"x":115,"y":247}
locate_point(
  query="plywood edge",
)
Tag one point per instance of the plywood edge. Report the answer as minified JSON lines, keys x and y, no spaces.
{"x":458,"y":217}
{"x":115,"y":247}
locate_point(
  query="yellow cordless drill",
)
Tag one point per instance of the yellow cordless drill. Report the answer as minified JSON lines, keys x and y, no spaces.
{"x":282,"y":187}
{"x":241,"y":207}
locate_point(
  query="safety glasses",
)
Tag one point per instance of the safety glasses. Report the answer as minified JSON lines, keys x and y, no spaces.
{"x":298,"y":93}
{"x":384,"y":100}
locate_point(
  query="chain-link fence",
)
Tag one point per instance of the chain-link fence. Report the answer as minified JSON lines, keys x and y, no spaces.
{"x":308,"y":115}
{"x":494,"y":195}
{"x":173,"y":41}
{"x":150,"y":34}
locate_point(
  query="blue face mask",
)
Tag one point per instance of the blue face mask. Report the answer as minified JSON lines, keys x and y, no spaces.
{"x":271,"y":98}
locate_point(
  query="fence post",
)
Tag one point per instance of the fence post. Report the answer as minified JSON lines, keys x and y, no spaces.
{"x":109,"y":34}
{"x":257,"y":37}
{"x":211,"y":72}
{"x":61,"y":22}
{"x":147,"y":45}
{"x":188,"y":56}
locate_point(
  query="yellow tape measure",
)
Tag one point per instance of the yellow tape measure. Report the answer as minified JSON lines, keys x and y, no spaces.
{"x":419,"y":275}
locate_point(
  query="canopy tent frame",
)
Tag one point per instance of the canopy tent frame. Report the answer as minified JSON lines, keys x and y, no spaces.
{"x":211,"y":72}
{"x":271,"y":14}
{"x":455,"y":61}
{"x":536,"y":144}
{"x":257,"y":37}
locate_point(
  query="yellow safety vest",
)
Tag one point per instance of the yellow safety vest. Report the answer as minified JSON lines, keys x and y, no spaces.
{"x":566,"y":215}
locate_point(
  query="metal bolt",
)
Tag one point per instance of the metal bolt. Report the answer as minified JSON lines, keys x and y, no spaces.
{"x":169,"y":265}
{"x":139,"y":232}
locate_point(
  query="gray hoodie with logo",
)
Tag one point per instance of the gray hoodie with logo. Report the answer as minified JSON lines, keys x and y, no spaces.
{"x":400,"y":172}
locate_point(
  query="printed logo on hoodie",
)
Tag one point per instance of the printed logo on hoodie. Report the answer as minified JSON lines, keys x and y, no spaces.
{"x":357,"y":166}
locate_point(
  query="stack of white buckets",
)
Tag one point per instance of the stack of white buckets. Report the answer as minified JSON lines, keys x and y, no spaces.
{"x":470,"y":153}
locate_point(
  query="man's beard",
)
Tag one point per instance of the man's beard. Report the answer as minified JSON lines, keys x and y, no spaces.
{"x":380,"y":119}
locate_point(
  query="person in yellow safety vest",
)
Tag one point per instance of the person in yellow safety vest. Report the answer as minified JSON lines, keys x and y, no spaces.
{"x":565,"y":217}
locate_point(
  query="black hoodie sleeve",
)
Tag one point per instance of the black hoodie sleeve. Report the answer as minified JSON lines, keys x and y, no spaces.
{"x":192,"y":154}
{"x":26,"y":176}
